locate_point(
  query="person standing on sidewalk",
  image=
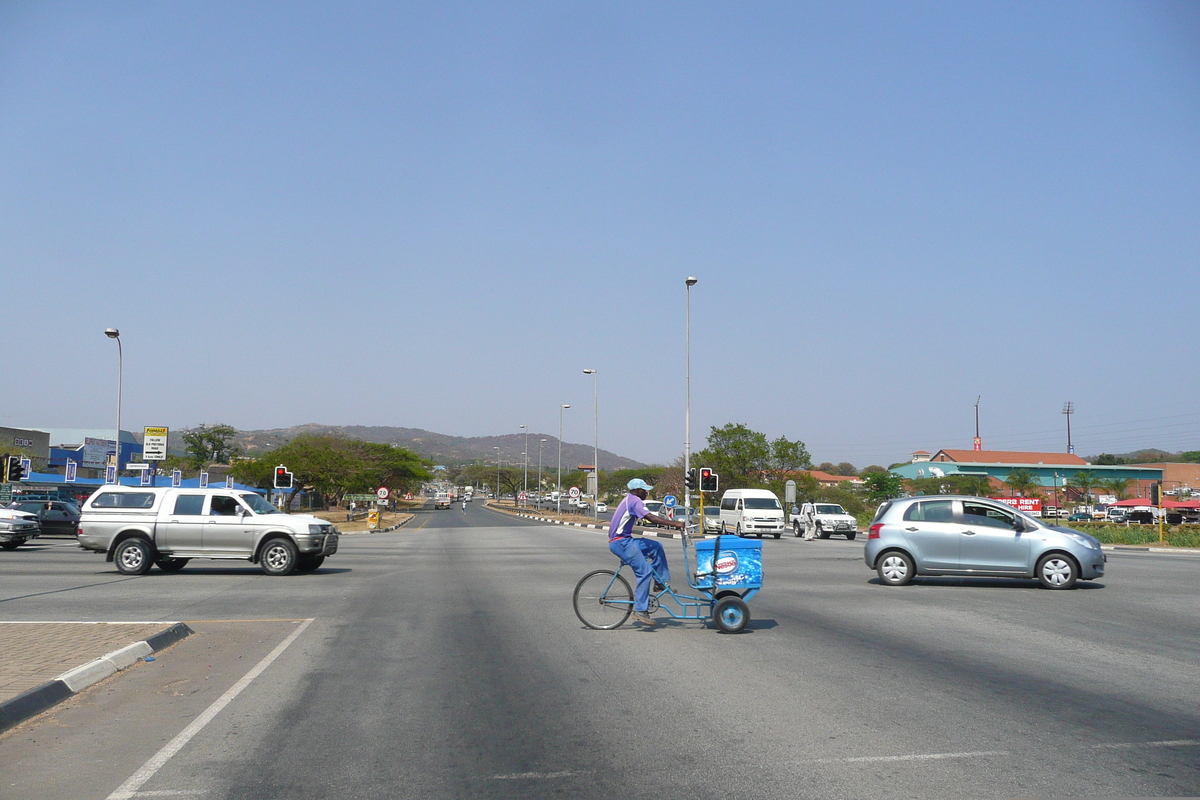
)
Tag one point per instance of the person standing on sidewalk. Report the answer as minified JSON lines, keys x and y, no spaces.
{"x":643,"y":555}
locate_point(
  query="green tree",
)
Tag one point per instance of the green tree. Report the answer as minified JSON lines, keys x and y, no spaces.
{"x":1083,"y":483}
{"x":789,"y":456}
{"x":871,"y":469}
{"x":845,"y":468}
{"x":1021,"y":482}
{"x":209,"y":445}
{"x":1118,"y":487}
{"x":882,"y":486}
{"x":739,"y":455}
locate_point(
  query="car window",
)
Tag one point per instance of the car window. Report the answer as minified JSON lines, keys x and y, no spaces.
{"x":728,"y":503}
{"x":223,"y":506}
{"x":768,"y":503}
{"x":189,"y":504}
{"x":983,"y":514}
{"x":930,"y":511}
{"x":883,"y":507}
{"x":124,"y":500}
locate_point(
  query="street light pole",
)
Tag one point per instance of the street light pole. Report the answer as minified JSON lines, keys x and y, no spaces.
{"x":539,"y":486}
{"x":559,"y":501}
{"x":526,"y":454}
{"x":497,"y":449}
{"x":113,"y":333}
{"x":687,"y":413}
{"x":596,"y":444}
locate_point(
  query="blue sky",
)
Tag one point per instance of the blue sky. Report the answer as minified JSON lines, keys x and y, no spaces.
{"x":438,"y":215}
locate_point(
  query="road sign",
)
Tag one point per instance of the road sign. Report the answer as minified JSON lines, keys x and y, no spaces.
{"x":382,"y":493}
{"x":6,"y":493}
{"x":203,"y":480}
{"x":110,"y":473}
{"x":669,"y":501}
{"x":522,"y":497}
{"x":573,"y":491}
{"x":228,"y":481}
{"x":146,"y":476}
{"x":26,"y":468}
{"x":154,"y":444}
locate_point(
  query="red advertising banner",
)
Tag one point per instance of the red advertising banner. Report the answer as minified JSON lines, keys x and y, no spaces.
{"x":1030,"y":505}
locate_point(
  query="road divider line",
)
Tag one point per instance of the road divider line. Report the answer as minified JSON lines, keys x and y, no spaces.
{"x":910,"y":757}
{"x":129,"y":789}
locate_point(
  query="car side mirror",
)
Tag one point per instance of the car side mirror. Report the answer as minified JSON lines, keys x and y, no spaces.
{"x":1019,"y":525}
{"x":245,"y":512}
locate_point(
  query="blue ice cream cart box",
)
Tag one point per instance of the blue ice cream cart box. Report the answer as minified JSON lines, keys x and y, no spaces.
{"x":739,"y":562}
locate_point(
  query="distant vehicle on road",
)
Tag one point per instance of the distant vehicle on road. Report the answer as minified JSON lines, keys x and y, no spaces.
{"x":972,"y":536}
{"x":751,"y":512}
{"x":442,"y":500}
{"x":54,"y":516}
{"x":831,"y":518}
{"x":17,"y":527}
{"x":602,"y":508}
{"x":712,"y":519}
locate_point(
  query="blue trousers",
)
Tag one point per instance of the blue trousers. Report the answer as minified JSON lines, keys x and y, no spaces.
{"x":645,"y":556}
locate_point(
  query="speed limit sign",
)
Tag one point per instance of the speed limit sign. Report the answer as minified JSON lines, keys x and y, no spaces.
{"x":382,"y":493}
{"x":573,"y":491}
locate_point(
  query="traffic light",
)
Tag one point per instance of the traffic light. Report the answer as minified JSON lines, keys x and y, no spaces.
{"x":690,"y":480}
{"x":1156,"y":494}
{"x":708,"y":480}
{"x":283,"y":478}
{"x":13,"y":471}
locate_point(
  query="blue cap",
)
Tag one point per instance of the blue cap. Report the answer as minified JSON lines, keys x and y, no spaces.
{"x":638,"y":483}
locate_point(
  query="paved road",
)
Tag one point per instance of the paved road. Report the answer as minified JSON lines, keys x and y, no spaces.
{"x":444,"y":661}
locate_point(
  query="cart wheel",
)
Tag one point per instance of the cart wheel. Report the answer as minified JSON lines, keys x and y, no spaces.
{"x":731,"y":614}
{"x":603,"y":600}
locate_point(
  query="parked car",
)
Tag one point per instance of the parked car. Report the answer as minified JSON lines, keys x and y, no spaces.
{"x":54,"y":516}
{"x":973,"y":536}
{"x":1141,"y":516}
{"x":1116,"y":515}
{"x":17,"y":527}
{"x":831,"y":518}
{"x":139,"y":527}
{"x":1079,"y":516}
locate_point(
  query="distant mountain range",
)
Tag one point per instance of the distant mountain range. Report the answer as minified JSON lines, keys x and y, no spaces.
{"x":439,"y":447}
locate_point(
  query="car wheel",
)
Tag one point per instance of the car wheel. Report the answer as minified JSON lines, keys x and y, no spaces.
{"x":739,"y":529}
{"x":11,"y":545}
{"x":1057,"y":571}
{"x":820,"y":533}
{"x":796,"y":528}
{"x":731,"y":614}
{"x":778,"y":534}
{"x":309,"y":563}
{"x":171,"y":564}
{"x":895,"y":568}
{"x":133,"y":557}
{"x":850,"y":536}
{"x":278,"y":557}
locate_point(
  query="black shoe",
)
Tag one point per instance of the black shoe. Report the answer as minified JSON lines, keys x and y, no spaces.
{"x":658,"y":587}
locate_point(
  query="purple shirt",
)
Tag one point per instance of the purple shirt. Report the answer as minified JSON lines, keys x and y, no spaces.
{"x":628,"y":512}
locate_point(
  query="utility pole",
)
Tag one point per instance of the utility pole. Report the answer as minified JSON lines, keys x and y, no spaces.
{"x":1068,"y":410}
{"x":978,"y":441}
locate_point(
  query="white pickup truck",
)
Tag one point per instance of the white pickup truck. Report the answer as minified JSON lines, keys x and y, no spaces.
{"x":140,"y":527}
{"x":830,"y":518}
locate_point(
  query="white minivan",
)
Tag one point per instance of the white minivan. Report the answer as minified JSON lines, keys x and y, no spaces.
{"x":751,"y":512}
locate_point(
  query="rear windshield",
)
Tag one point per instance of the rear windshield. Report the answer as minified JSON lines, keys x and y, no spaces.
{"x":761,"y":503}
{"x":124,"y":500}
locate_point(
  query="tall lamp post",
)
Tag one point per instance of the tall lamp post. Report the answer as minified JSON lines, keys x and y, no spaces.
{"x":113,"y":333}
{"x":687,"y":414}
{"x":497,"y":449}
{"x":539,"y":486}
{"x":559,"y":501}
{"x":526,"y":454}
{"x":596,"y":444}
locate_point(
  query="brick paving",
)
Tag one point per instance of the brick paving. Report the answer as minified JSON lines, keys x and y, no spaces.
{"x":32,"y":653}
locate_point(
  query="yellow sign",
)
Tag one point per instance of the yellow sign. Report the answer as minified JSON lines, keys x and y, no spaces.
{"x":156,"y":432}
{"x":373,"y":520}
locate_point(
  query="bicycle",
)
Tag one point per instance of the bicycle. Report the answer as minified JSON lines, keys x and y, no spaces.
{"x":727,"y":576}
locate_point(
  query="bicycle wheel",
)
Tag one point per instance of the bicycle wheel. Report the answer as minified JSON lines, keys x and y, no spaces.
{"x":603,"y":600}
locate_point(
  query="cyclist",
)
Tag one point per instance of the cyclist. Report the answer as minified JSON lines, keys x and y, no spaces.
{"x":464,"y":505}
{"x":643,"y":555}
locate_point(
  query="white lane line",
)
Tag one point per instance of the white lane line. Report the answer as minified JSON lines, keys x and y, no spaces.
{"x":83,"y":622}
{"x":911,"y":757}
{"x":170,"y":793}
{"x":526,"y":776}
{"x":1131,"y":745}
{"x":129,"y":789}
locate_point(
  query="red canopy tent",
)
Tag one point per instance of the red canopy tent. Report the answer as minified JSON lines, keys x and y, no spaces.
{"x":1141,"y":501}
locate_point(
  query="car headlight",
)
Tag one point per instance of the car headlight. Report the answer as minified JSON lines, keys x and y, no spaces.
{"x":6,"y":526}
{"x":316,"y":528}
{"x":1079,"y":538}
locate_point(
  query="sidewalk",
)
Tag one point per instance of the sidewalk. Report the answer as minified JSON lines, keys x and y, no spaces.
{"x":42,"y":663}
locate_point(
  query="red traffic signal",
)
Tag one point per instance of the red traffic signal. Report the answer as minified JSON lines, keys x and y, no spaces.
{"x":708,"y":480}
{"x":283,"y":478}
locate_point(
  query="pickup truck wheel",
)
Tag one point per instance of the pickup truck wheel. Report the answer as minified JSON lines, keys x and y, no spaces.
{"x":779,"y":534}
{"x":309,"y":563}
{"x":133,"y":557}
{"x":279,"y":557}
{"x":171,"y":564}
{"x":850,"y":536}
{"x":11,"y":545}
{"x":796,"y":529}
{"x":820,"y":533}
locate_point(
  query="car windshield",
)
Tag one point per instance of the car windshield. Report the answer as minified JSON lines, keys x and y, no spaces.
{"x":829,"y":508}
{"x":762,"y":503}
{"x":258,"y":505}
{"x":712,"y":511}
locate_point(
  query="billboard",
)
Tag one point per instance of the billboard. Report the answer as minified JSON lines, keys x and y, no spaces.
{"x":96,"y":452}
{"x":1029,"y":505}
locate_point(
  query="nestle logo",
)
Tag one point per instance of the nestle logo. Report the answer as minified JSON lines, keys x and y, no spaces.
{"x":727,"y":564}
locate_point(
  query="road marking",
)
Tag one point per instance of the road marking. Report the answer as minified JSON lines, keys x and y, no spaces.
{"x":171,"y":793}
{"x":527,"y":776}
{"x":85,"y":622}
{"x":129,"y":789}
{"x":911,"y":757}
{"x":1130,"y":745}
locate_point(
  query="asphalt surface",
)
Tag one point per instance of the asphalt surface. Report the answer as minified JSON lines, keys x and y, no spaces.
{"x":444,"y":661}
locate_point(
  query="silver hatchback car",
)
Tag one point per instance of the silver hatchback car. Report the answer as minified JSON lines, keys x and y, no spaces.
{"x":974,"y":536}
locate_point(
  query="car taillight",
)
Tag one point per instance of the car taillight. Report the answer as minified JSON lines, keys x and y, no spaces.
{"x":873,"y":531}
{"x":79,"y":529}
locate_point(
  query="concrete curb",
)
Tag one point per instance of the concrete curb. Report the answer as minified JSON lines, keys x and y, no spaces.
{"x":395,"y":527}
{"x":591,"y":525}
{"x":1150,"y":548}
{"x":40,"y":698}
